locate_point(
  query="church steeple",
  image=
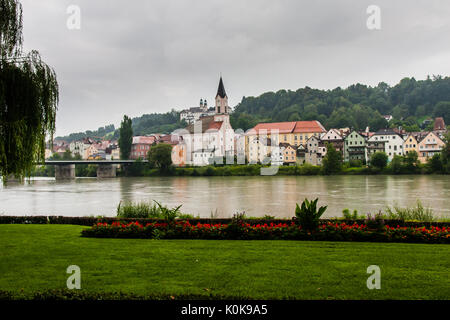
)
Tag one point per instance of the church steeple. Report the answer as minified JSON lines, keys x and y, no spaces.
{"x":221,"y":90}
{"x":221,"y":99}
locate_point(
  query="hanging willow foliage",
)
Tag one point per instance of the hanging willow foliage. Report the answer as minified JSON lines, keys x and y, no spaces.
{"x":28,"y":98}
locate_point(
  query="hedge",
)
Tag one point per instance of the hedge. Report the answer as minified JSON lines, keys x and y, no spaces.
{"x":329,"y":231}
{"x":90,"y":221}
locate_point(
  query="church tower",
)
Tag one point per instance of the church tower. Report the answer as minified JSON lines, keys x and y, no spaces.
{"x":221,"y":99}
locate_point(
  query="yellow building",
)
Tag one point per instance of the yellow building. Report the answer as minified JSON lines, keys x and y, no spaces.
{"x":411,"y":144}
{"x":294,"y":133}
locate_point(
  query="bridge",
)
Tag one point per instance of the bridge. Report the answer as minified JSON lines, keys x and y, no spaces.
{"x":65,"y":169}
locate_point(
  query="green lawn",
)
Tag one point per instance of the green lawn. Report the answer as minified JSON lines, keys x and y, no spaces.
{"x":35,"y":257}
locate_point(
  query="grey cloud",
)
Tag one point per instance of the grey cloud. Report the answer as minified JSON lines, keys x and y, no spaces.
{"x":139,"y":56}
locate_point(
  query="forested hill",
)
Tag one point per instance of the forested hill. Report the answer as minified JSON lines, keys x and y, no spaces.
{"x":357,"y":106}
{"x":146,"y":124}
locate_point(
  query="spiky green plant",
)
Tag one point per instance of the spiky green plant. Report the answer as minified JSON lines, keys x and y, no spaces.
{"x":308,"y":216}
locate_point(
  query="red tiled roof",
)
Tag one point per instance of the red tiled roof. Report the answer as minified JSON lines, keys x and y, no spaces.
{"x":439,"y":124}
{"x":215,"y":125}
{"x":206,"y":123}
{"x":282,"y":127}
{"x":309,"y":126}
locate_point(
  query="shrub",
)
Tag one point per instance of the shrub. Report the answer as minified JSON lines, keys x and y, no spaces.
{"x":168,"y":214}
{"x":379,"y":160}
{"x":307,"y":215}
{"x":375,"y":222}
{"x":419,"y":212}
{"x":350,"y":216}
{"x":147,"y":210}
{"x":329,"y":231}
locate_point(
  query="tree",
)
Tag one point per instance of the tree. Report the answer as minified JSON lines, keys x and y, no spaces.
{"x":411,"y":161}
{"x":332,"y":162}
{"x":445,"y":155}
{"x":28,"y":98}
{"x":396,"y":164}
{"x":379,"y":160}
{"x":442,"y":109}
{"x":160,"y":156}
{"x":125,"y":138}
{"x":434,"y":163}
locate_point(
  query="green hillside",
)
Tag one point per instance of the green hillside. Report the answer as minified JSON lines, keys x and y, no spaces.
{"x":357,"y":106}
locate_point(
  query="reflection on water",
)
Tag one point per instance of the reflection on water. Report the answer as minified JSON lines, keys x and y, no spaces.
{"x":203,"y":196}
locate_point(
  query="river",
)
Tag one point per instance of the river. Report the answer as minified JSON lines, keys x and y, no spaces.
{"x":224,"y":196}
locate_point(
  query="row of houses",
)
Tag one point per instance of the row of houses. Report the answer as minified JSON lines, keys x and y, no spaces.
{"x":209,"y":138}
{"x":295,"y":142}
{"x":305,"y":142}
{"x":87,"y":149}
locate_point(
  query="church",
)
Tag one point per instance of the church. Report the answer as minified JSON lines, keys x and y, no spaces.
{"x":211,"y":137}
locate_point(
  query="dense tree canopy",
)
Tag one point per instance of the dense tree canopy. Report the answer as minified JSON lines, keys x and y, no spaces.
{"x":100,"y":133}
{"x":160,"y":156}
{"x":379,"y":160}
{"x":28,"y":98}
{"x":357,"y":106}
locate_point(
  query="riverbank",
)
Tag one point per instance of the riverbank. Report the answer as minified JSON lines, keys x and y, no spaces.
{"x":38,"y":256}
{"x":140,"y":169}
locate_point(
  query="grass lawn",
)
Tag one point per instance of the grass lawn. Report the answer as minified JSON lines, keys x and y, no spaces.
{"x":35,"y":257}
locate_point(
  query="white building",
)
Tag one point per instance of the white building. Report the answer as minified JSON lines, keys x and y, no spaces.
{"x":211,"y":134}
{"x":203,"y":157}
{"x":393,"y":142}
{"x":84,"y":147}
{"x":194,"y":114}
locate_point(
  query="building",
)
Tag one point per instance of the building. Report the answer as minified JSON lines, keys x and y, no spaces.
{"x":112,"y":152}
{"x":373,"y":147}
{"x":355,"y":147}
{"x":141,"y":146}
{"x":294,"y":133}
{"x":211,"y":135}
{"x":393,"y":142}
{"x":289,"y":153}
{"x":335,"y":137}
{"x":430,"y":145}
{"x":411,"y":143}
{"x":194,"y":114}
{"x":222,"y":99}
{"x":179,"y":154}
{"x":439,"y":126}
{"x":314,"y":151}
{"x":301,"y":154}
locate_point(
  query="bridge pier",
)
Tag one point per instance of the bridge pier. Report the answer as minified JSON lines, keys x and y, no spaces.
{"x":106,"y":171}
{"x":66,"y":171}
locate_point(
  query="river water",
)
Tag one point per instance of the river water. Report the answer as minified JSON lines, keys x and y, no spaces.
{"x":224,"y":196}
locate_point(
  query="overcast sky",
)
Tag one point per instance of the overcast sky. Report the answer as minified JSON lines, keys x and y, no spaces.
{"x":140,"y":56}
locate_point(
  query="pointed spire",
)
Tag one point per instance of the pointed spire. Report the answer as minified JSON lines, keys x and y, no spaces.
{"x":221,"y":90}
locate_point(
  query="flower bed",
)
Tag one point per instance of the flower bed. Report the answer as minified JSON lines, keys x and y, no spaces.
{"x":273,"y":231}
